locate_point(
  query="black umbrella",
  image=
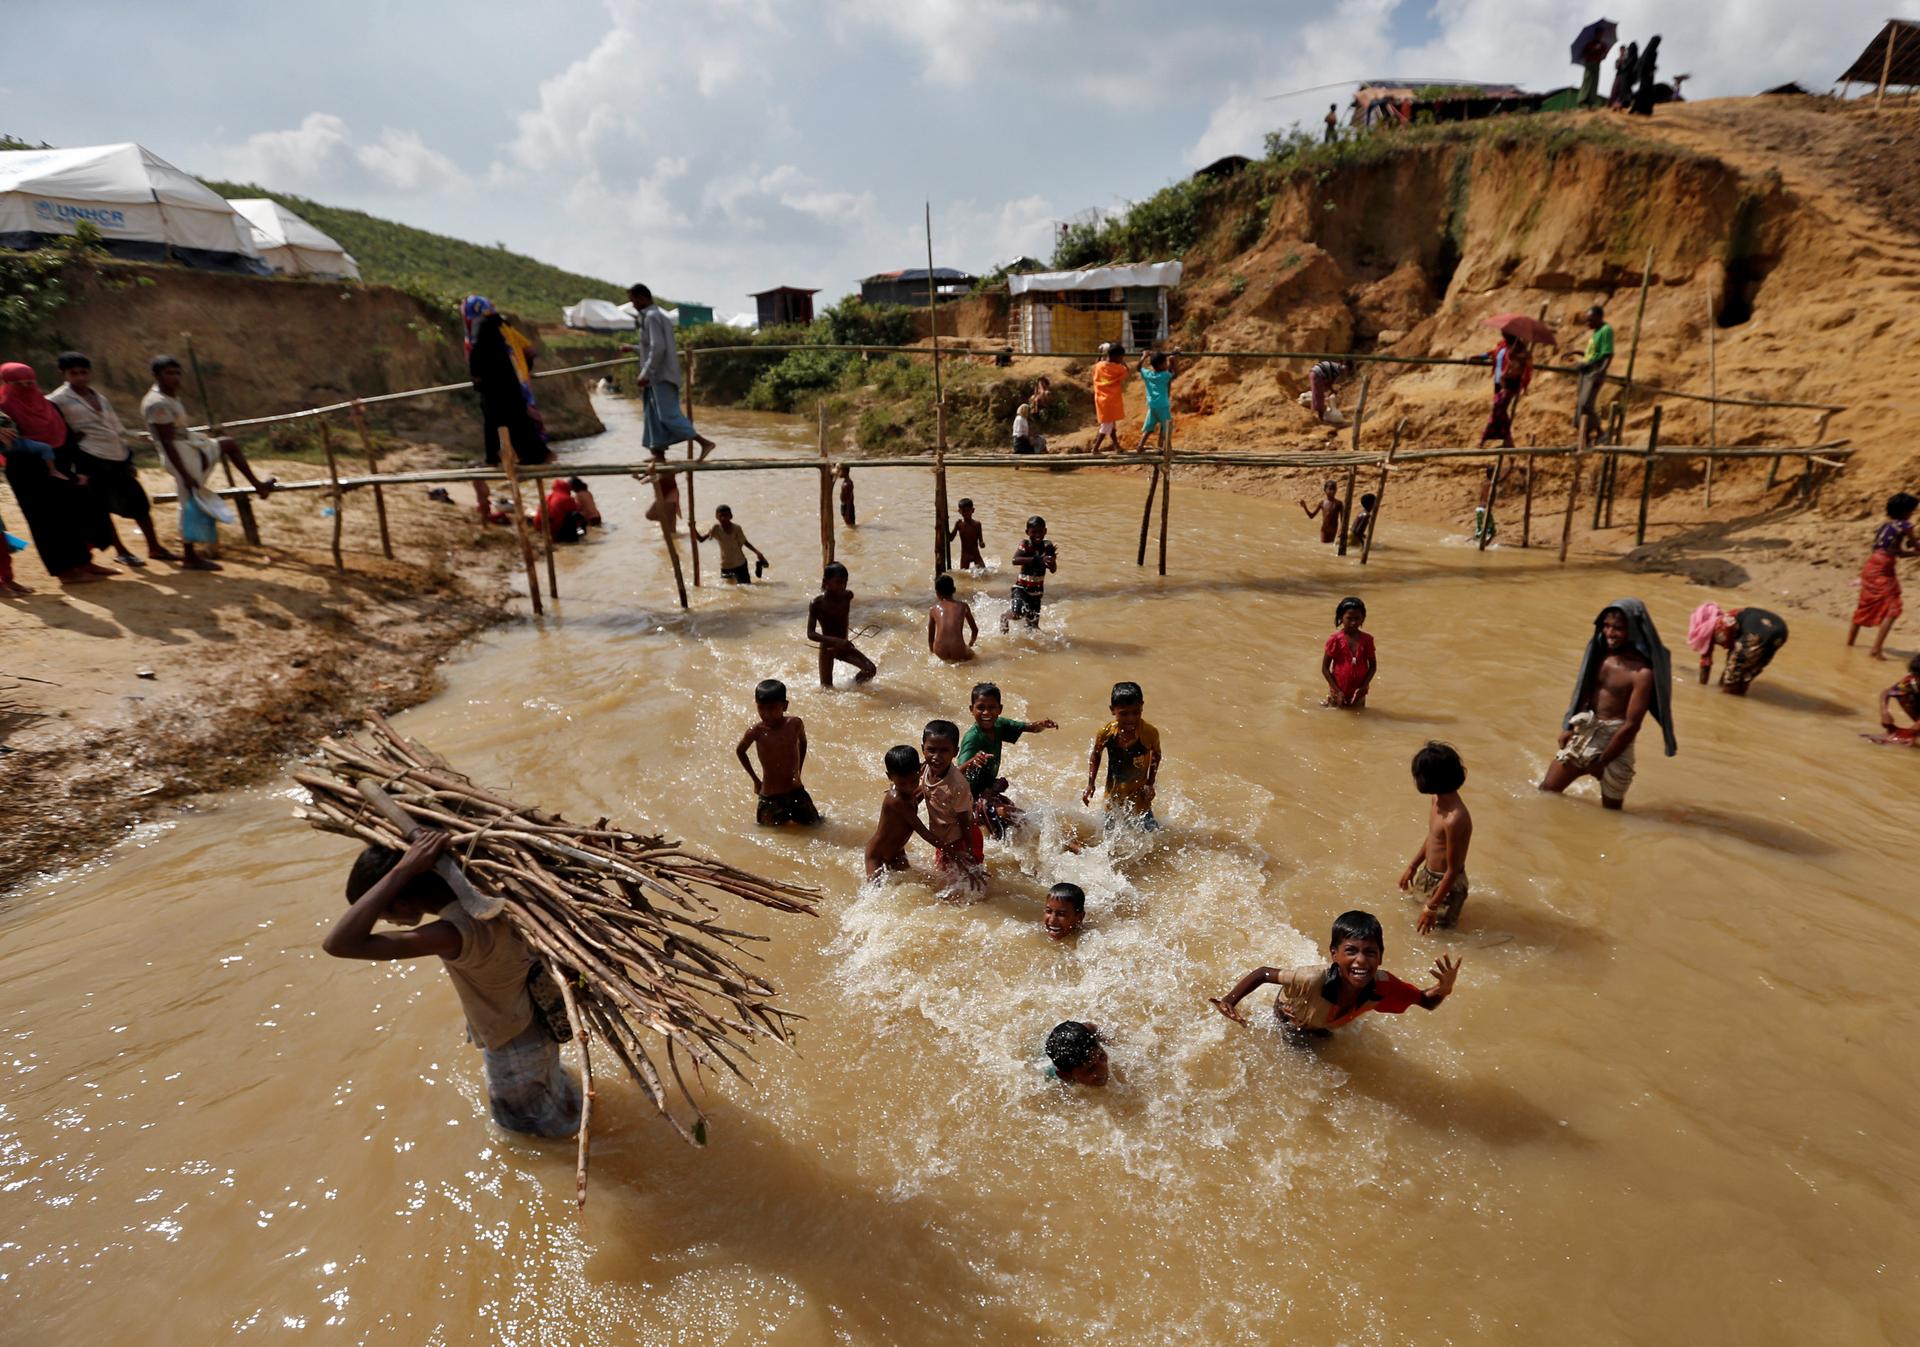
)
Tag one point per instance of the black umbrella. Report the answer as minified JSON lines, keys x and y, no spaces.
{"x":1595,"y":41}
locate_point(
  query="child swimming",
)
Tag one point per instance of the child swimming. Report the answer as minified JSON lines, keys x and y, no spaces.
{"x":1346,"y":661}
{"x":1132,"y":748}
{"x":1075,"y":1055}
{"x":1316,"y":999}
{"x":1066,"y":908}
{"x":781,"y":741}
{"x":980,"y":757}
{"x":1439,"y":868}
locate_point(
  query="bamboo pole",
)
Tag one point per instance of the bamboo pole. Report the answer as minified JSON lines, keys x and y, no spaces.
{"x":1346,"y":510}
{"x":673,"y":555}
{"x":942,"y":552}
{"x":511,"y":462}
{"x":826,"y":494}
{"x":1380,"y":492}
{"x":1166,"y":486}
{"x":546,"y":532}
{"x":1886,"y":66}
{"x":373,"y":467}
{"x":333,"y":476}
{"x":1146,"y":515}
{"x":1646,"y":479}
{"x":1713,"y":386}
{"x":1573,"y":497}
{"x":1493,"y":491}
{"x":693,"y":526}
{"x":1639,"y":321}
{"x":1526,"y":509}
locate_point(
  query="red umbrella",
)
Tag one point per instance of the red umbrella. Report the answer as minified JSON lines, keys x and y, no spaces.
{"x":1523,"y":327}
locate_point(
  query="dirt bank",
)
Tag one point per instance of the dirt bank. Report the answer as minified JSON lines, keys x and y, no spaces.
{"x":120,"y":699}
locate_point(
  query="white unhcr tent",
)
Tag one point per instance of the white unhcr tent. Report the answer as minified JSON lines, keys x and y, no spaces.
{"x":293,"y":247}
{"x":143,"y":207}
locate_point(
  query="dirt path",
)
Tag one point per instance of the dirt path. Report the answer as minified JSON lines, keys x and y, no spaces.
{"x":126,"y":696}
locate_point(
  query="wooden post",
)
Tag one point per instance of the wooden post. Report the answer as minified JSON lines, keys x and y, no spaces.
{"x":1713,"y":390}
{"x":1573,"y":496}
{"x":826,"y":495}
{"x":1886,"y":66}
{"x":673,"y":555}
{"x":1493,"y":490}
{"x":942,"y":554}
{"x":373,"y":466}
{"x":1380,"y":492}
{"x":1639,"y":321}
{"x":1346,"y":511}
{"x":1146,"y":516}
{"x":333,"y":474}
{"x":511,"y":462}
{"x":546,"y":534}
{"x":1166,"y":486}
{"x":1646,"y":479}
{"x":693,"y":543}
{"x":1526,"y":510}
{"x":1360,"y":410}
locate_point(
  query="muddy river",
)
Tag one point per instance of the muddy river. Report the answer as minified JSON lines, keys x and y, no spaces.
{"x":1665,"y":1102}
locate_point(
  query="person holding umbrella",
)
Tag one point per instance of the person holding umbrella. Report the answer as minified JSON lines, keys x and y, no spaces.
{"x":1512,"y":363}
{"x":1589,"y":50}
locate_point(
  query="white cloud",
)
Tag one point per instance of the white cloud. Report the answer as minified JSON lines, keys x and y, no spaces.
{"x":321,"y":154}
{"x":956,"y":38}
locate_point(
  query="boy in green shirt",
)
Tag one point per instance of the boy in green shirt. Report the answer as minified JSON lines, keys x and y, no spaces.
{"x":979,"y":758}
{"x":1593,"y":372}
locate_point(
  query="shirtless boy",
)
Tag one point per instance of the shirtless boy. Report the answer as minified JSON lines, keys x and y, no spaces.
{"x":1624,"y":676}
{"x":827,"y":627}
{"x":967,"y":530}
{"x":1329,"y":510}
{"x":899,"y":814}
{"x":951,"y":630}
{"x":781,"y":740}
{"x":959,"y":850}
{"x":1439,"y":867}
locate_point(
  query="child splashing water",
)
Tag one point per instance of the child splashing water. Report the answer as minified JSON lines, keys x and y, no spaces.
{"x":1347,"y":661}
{"x":1132,"y":749}
{"x":1316,"y":999}
{"x":980,"y":757}
{"x":959,"y":849}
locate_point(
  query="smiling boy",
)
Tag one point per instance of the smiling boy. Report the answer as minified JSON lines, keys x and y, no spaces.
{"x":1132,"y":750}
{"x":1316,"y":999}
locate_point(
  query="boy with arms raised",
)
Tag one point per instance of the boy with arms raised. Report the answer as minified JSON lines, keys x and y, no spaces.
{"x":1033,"y":559}
{"x":782,"y":743}
{"x":1156,"y":372}
{"x":959,"y":850}
{"x":951,"y":630}
{"x":1625,"y":675}
{"x":1439,"y":868}
{"x":1316,"y":999}
{"x":980,"y":757}
{"x":899,"y":814}
{"x":1132,"y":749}
{"x":827,"y":618}
{"x":527,"y":1088}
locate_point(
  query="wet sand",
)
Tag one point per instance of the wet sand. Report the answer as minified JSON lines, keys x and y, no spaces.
{"x":1666,"y":1100}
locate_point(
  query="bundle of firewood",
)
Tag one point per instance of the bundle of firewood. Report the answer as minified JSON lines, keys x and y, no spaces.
{"x":626,"y":922}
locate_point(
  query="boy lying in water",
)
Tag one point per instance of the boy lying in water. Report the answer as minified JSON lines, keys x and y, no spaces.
{"x":1316,"y":999}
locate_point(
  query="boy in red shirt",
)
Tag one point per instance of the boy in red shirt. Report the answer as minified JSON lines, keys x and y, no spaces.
{"x":1316,"y":999}
{"x":1347,"y":661}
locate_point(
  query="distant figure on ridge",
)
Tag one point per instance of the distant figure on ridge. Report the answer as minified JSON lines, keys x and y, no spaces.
{"x":1593,"y":375}
{"x":1512,"y":374}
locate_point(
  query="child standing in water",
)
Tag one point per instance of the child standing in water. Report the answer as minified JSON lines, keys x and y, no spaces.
{"x":1362,"y":521}
{"x":528,"y":1090}
{"x":1074,"y":1054}
{"x":583,"y":499}
{"x":1033,"y":559}
{"x":1329,"y":510}
{"x":979,"y":757}
{"x":959,"y":850}
{"x":1132,"y":748}
{"x":846,"y":495}
{"x":781,"y":740}
{"x":1439,"y":868}
{"x":734,"y":547}
{"x":951,"y":630}
{"x":967,"y":530}
{"x":1347,"y":661}
{"x":1316,"y":999}
{"x":827,"y":618}
{"x":899,"y":814}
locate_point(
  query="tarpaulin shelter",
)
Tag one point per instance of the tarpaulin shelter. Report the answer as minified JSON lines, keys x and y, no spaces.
{"x":293,"y":247}
{"x":599,"y":315}
{"x":1891,"y":60}
{"x":908,"y":286}
{"x":1077,"y":310}
{"x":1386,"y":102}
{"x":144,"y":207}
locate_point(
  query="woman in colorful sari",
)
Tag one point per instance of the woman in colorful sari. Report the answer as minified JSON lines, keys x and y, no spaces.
{"x":1512,"y":372}
{"x":1879,"y":604}
{"x":67,"y":522}
{"x":499,"y":363}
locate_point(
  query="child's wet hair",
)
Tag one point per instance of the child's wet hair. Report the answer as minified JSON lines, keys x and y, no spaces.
{"x":1070,"y":893}
{"x":984,"y":690}
{"x":1070,"y":1046}
{"x":1036,"y":522}
{"x":1127,"y":694}
{"x":726,"y":510}
{"x":945,"y":731}
{"x":1349,"y":604}
{"x":373,"y":865}
{"x":769,"y":690}
{"x":1437,"y":768}
{"x":943,"y":585}
{"x":1368,"y":500}
{"x":903,"y":760}
{"x":1358,"y":925}
{"x":1902,"y":504}
{"x":966,"y":503}
{"x":834,"y":571}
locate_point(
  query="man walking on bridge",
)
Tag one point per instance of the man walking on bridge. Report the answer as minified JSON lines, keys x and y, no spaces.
{"x":659,"y":379}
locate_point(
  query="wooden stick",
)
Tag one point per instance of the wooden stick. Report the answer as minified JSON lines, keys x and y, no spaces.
{"x":373,"y":467}
{"x":1346,"y":511}
{"x":333,"y":476}
{"x":586,"y":1087}
{"x":1166,"y":485}
{"x":511,"y":462}
{"x":1886,"y":66}
{"x":1146,"y":515}
{"x":546,"y":533}
{"x":1493,"y":490}
{"x":942,"y":551}
{"x":1573,"y":496}
{"x":1713,"y":386}
{"x":1639,"y":321}
{"x":826,"y":494}
{"x":673,"y":555}
{"x":1380,"y":492}
{"x":693,"y":543}
{"x":1646,"y":479}
{"x":1526,"y":510}
{"x":1360,"y":411}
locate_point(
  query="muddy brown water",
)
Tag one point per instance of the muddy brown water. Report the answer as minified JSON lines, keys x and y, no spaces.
{"x":1671,"y":1098}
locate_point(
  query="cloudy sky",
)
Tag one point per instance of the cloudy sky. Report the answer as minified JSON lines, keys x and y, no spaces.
{"x":717,"y":147}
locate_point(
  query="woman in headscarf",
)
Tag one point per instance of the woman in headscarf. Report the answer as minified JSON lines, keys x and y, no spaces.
{"x":1512,"y":374}
{"x":67,"y":522}
{"x":1625,"y":66}
{"x":1751,"y":636}
{"x":498,"y":362}
{"x":1649,"y":68}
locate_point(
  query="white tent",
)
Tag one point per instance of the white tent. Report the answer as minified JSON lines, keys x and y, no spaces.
{"x":291,"y":246}
{"x":744,"y":321}
{"x":599,"y":315}
{"x":143,"y":206}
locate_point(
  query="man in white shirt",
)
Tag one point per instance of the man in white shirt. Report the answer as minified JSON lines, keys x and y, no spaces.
{"x":105,"y":455}
{"x":190,"y":456}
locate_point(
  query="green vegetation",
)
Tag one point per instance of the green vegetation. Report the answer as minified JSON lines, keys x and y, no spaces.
{"x":33,"y":285}
{"x":1164,"y":225}
{"x":440,"y":270}
{"x":785,"y":381}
